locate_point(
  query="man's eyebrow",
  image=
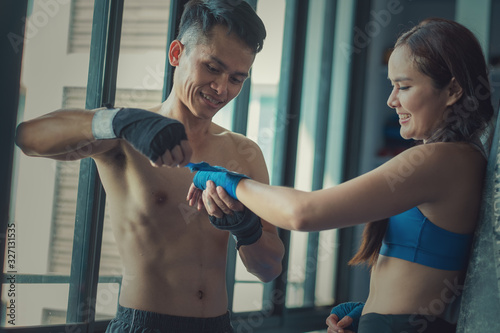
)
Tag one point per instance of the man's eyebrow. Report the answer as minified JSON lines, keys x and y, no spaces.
{"x":224,"y":66}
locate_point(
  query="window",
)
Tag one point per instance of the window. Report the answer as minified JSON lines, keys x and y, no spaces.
{"x":46,"y":195}
{"x":40,"y":283}
{"x":144,"y":26}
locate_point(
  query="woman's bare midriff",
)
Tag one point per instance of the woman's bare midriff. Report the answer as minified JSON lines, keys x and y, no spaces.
{"x":402,"y":287}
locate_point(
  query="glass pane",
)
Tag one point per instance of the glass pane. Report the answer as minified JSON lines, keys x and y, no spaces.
{"x":252,"y":293}
{"x":107,"y":300}
{"x":326,"y":267}
{"x":224,"y":117}
{"x":44,"y":199}
{"x":33,"y":304}
{"x":262,"y":107}
{"x":296,"y":269}
{"x":241,"y":273}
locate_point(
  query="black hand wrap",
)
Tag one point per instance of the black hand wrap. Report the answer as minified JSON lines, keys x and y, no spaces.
{"x":150,"y":133}
{"x":245,"y":226}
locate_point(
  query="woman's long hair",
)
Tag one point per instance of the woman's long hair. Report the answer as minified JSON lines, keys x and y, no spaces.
{"x":442,"y":50}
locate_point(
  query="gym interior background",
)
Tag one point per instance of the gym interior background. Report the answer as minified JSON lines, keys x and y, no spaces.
{"x":316,"y":105}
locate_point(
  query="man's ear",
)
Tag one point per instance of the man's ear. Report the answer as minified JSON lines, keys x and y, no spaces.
{"x":174,"y":52}
{"x":455,"y":92}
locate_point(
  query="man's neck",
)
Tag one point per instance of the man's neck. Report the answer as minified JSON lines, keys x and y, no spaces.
{"x":197,"y":129}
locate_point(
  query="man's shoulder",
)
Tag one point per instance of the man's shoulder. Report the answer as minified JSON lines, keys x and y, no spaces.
{"x":245,"y":154}
{"x":234,"y":137}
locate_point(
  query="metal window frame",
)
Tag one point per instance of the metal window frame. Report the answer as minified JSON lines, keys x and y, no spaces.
{"x":12,"y":13}
{"x":320,"y":143}
{"x":101,"y":86}
{"x":351,"y":160}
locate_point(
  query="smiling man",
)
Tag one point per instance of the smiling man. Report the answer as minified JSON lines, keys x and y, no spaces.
{"x":176,"y":261}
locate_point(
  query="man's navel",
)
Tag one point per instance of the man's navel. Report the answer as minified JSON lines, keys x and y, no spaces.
{"x":160,"y":198}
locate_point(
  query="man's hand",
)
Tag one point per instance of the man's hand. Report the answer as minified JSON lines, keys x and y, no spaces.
{"x":214,"y":199}
{"x":218,"y":203}
{"x":162,"y":140}
{"x":225,"y":212}
{"x":220,"y":176}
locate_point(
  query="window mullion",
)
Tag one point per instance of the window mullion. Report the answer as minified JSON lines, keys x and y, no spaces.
{"x":89,"y":218}
{"x":320,"y":143}
{"x":175,"y":12}
{"x":288,"y":116}
{"x":12,"y":29}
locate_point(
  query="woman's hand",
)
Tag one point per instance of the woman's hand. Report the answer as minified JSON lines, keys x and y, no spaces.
{"x":336,"y":326}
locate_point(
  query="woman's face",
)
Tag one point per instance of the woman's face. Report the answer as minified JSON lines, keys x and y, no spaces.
{"x":420,"y":106}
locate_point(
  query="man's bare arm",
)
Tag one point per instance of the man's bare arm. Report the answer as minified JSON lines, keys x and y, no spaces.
{"x":262,"y":257}
{"x":75,"y":134}
{"x":62,"y":135}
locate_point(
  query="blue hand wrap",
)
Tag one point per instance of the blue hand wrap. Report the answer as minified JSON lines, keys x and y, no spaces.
{"x":219,"y":175}
{"x":150,"y":133}
{"x":245,"y":226}
{"x":351,"y":309}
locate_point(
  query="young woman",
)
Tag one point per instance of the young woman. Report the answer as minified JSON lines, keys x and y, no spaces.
{"x":431,"y":192}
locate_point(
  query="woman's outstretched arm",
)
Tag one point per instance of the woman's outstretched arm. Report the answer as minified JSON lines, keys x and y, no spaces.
{"x":394,"y":187}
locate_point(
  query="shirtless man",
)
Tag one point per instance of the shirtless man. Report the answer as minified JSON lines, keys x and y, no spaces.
{"x":176,"y":260}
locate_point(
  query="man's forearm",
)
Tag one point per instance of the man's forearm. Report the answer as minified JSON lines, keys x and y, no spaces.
{"x":56,"y":133}
{"x":263,"y":258}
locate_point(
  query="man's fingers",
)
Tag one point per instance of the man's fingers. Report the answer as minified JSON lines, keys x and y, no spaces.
{"x":191,"y":192}
{"x":177,"y":155}
{"x":194,"y":195}
{"x":231,"y":203}
{"x":165,"y":159}
{"x":213,"y":193}
{"x":210,"y":206}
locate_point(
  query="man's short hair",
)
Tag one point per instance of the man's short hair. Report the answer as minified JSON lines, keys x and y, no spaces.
{"x":200,"y":16}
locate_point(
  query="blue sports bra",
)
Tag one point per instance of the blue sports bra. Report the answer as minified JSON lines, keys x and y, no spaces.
{"x":411,"y":236}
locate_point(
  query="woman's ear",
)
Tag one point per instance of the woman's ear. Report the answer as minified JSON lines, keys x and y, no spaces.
{"x":455,"y":92}
{"x":174,"y":52}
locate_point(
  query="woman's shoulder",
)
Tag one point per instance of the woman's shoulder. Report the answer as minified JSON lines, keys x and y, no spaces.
{"x":430,"y":171}
{"x":443,"y":159}
{"x":442,"y":152}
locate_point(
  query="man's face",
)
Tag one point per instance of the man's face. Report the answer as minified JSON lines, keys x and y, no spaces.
{"x":210,"y":75}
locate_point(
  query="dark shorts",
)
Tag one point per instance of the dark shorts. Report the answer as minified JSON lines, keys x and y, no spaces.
{"x":138,"y":321}
{"x":381,"y":323}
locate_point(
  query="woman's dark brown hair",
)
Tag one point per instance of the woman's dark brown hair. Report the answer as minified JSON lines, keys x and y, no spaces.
{"x":442,"y":50}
